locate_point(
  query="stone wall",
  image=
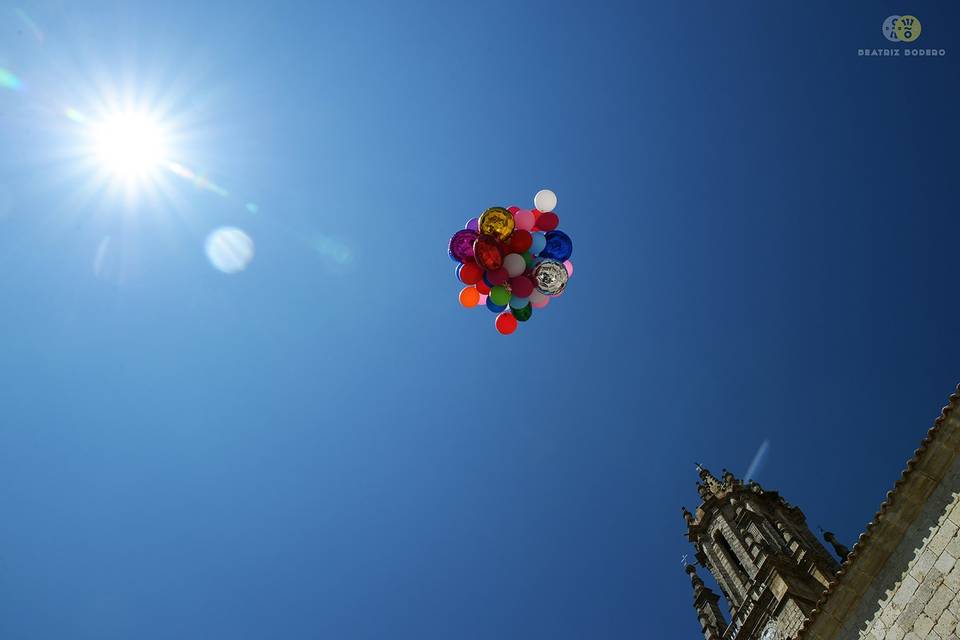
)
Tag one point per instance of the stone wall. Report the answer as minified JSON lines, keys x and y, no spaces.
{"x":790,"y":619}
{"x":916,"y":596}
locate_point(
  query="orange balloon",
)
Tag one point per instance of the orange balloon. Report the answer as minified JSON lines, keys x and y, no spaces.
{"x":469,"y":297}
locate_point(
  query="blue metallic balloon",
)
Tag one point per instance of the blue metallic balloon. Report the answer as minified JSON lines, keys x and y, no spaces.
{"x":559,"y":246}
{"x":494,"y":307}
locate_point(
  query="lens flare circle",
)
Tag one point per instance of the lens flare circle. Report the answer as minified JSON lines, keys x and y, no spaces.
{"x":129,"y":145}
{"x":229,"y":249}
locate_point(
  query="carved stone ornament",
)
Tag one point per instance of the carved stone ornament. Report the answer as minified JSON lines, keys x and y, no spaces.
{"x":771,"y":632}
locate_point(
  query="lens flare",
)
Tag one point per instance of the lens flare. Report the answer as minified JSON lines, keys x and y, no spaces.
{"x":9,"y":81}
{"x":30,"y":25}
{"x":332,"y":249}
{"x":74,"y":115}
{"x":229,"y":249}
{"x":198,"y":181}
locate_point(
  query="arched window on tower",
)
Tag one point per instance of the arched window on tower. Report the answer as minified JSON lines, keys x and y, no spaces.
{"x":724,"y":545}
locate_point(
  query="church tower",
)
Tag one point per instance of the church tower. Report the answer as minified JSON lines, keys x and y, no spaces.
{"x":768,"y":564}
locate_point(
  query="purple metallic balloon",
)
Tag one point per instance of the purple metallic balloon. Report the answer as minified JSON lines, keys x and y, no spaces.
{"x":473,"y":224}
{"x":461,"y":245}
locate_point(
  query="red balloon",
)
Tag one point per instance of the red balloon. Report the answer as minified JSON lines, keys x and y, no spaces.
{"x":548,"y":221}
{"x":471,"y":273}
{"x":482,"y":287}
{"x":513,"y":209}
{"x":520,"y":241}
{"x":521,"y":286}
{"x":488,"y":254}
{"x":498,"y":277}
{"x":506,"y":323}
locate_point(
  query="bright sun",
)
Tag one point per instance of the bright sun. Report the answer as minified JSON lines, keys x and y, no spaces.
{"x":129,"y":146}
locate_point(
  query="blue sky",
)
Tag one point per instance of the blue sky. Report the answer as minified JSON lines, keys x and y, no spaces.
{"x":325,"y":444}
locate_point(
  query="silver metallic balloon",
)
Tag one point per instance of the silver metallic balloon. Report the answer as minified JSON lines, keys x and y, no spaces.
{"x":550,"y":277}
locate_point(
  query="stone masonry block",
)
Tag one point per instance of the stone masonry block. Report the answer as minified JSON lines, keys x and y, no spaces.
{"x":927,"y":588}
{"x":939,"y":602}
{"x":945,"y":563}
{"x":942,"y":538}
{"x":894,"y":633}
{"x":953,"y":547}
{"x":907,"y":588}
{"x":910,"y":615}
{"x":923,"y":626}
{"x":889,"y":615}
{"x":946,"y":624}
{"x":923,"y":564}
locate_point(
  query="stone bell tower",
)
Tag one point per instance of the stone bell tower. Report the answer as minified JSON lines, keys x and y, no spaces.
{"x":770,"y":567}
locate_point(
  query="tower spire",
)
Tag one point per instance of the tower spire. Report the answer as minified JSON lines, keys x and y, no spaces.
{"x":706,"y":602}
{"x":708,"y":482}
{"x":763,"y":555}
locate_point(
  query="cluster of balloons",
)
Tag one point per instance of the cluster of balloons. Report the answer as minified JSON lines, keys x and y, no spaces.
{"x":513,"y":260}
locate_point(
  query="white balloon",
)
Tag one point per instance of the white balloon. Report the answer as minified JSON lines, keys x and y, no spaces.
{"x":545,"y":200}
{"x":514,"y":264}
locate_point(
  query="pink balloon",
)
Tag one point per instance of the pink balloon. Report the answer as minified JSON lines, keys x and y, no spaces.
{"x":569,"y":266}
{"x":524,"y":219}
{"x":483,"y":300}
{"x":541,"y":304}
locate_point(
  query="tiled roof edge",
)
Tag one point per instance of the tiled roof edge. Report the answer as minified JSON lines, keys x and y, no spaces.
{"x":863,"y":542}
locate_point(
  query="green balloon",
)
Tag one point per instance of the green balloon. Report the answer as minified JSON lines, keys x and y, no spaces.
{"x":528,"y":257}
{"x":500,"y":296}
{"x":523,"y":314}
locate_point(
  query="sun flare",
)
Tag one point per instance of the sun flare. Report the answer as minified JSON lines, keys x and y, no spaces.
{"x":129,"y":145}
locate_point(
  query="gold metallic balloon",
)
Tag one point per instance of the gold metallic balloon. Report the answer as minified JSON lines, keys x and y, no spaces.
{"x":497,"y":222}
{"x":550,"y":277}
